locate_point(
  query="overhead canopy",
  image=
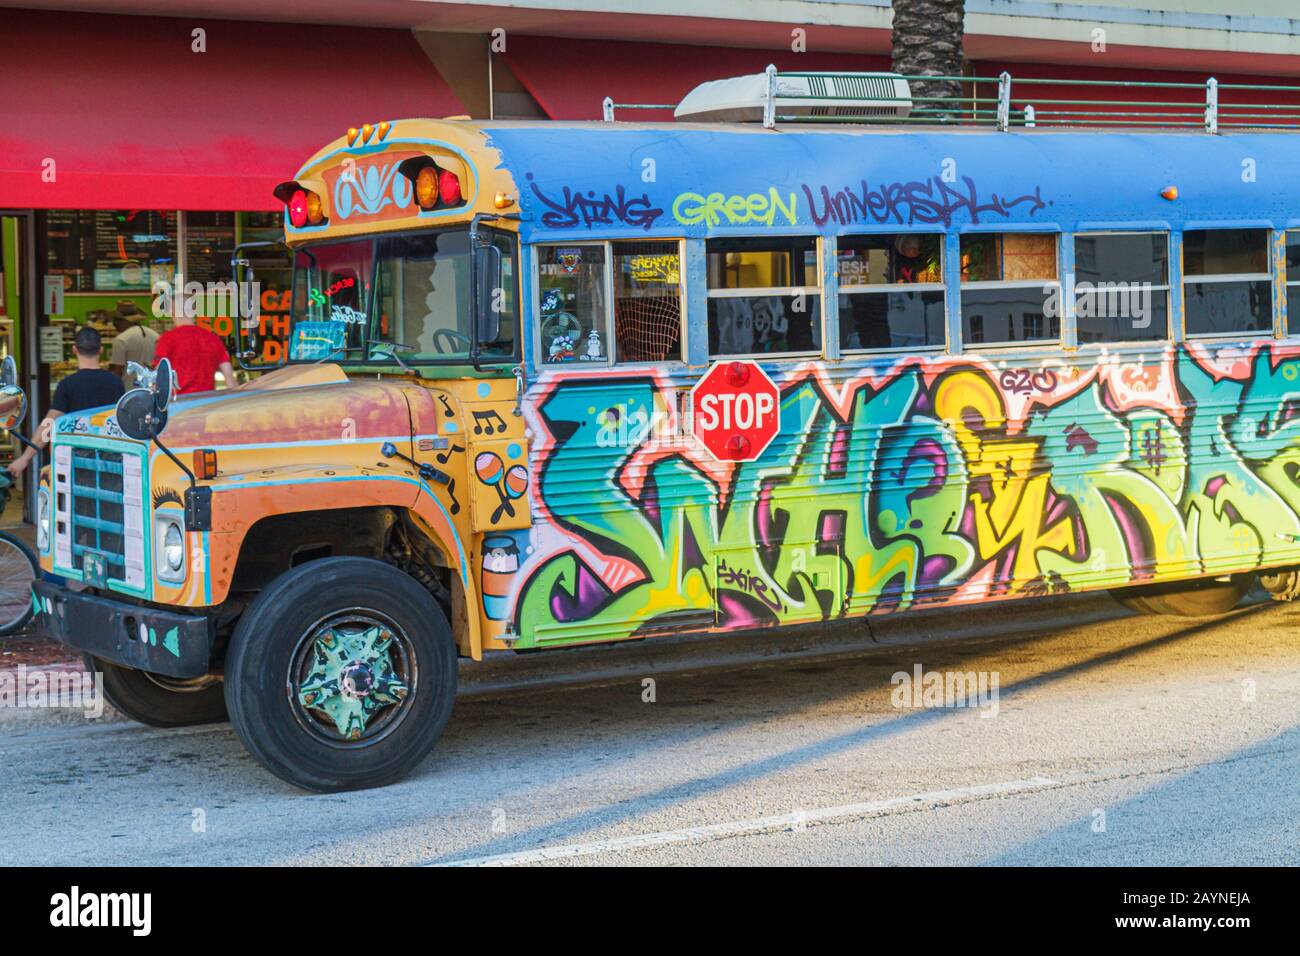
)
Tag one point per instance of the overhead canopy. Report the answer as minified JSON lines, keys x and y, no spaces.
{"x":110,"y":112}
{"x":646,"y":72}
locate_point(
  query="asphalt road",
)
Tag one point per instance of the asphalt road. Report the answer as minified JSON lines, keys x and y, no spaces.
{"x":1128,"y":740}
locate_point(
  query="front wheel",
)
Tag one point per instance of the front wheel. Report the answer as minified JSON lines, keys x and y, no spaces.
{"x":341,"y":675}
{"x":160,"y":701}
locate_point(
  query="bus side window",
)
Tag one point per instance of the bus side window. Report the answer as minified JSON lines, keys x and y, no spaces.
{"x":1009,"y":283}
{"x":764,"y":296}
{"x":1226,"y":287}
{"x":1293,"y":281}
{"x":647,"y":301}
{"x":891,"y":291}
{"x":572,"y":289}
{"x":1121,"y":289}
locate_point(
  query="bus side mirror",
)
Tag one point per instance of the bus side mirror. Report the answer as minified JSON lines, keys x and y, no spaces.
{"x":488,"y":272}
{"x":13,"y":406}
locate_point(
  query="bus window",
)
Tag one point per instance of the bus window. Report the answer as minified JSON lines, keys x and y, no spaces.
{"x":647,"y":301}
{"x":331,"y":299}
{"x":891,"y":291}
{"x":572,"y":285}
{"x":764,"y":296}
{"x":1009,"y":288}
{"x":1121,"y":289}
{"x":1226,"y":288}
{"x":1293,"y":280}
{"x":423,"y":301}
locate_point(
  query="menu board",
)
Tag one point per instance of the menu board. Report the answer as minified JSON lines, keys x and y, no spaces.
{"x":68,"y":248}
{"x":107,"y":250}
{"x":209,"y":244}
{"x":133,"y":249}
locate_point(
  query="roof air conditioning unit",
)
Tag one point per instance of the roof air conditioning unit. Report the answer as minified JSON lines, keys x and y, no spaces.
{"x":846,"y":96}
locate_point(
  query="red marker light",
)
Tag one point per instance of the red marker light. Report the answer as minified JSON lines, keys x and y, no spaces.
{"x":448,"y":188}
{"x":737,"y":446}
{"x":737,"y":374}
{"x":1170,"y":192}
{"x":298,"y":208}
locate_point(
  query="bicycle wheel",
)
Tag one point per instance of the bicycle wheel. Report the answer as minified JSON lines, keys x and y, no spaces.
{"x":18,"y":569}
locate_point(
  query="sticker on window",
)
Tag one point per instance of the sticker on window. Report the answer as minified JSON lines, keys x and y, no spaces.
{"x":316,"y":340}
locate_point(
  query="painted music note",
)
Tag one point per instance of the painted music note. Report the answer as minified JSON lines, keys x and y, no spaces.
{"x":445,"y":456}
{"x":455,"y":502}
{"x":451,"y":413}
{"x":490,"y":427}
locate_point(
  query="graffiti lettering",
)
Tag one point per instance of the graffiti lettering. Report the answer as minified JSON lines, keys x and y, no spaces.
{"x":729,"y":577}
{"x":945,"y":481}
{"x":927,"y":202}
{"x":715,"y":208}
{"x":1023,"y":381}
{"x":575,"y":208}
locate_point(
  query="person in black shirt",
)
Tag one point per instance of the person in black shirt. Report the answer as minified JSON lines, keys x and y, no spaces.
{"x":88,"y":387}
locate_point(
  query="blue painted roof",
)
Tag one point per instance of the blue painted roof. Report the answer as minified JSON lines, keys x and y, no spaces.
{"x":598,"y":181}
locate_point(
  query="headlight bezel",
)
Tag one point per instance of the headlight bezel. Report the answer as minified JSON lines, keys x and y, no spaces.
{"x":44,"y":520}
{"x":167,"y":569}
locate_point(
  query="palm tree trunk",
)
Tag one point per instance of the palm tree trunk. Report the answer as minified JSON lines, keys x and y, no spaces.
{"x":927,"y":42}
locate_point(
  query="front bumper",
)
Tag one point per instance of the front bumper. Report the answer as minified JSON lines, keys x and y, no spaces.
{"x":146,"y":638}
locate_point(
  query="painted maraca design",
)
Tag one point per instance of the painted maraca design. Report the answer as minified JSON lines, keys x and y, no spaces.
{"x":510,"y":484}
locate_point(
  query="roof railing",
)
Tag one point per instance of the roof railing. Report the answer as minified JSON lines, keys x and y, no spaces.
{"x":1003,"y":103}
{"x":608,"y":106}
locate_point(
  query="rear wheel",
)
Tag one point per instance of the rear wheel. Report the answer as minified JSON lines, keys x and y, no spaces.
{"x":160,"y":701}
{"x":341,"y":675}
{"x":1186,"y":598}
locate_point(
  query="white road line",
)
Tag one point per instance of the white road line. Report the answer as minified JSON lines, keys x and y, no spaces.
{"x":786,"y":821}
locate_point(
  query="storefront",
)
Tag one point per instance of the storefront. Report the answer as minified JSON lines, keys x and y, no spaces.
{"x":153,"y":149}
{"x":106,"y":261}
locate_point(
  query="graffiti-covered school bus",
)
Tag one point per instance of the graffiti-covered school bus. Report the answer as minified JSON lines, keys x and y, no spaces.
{"x":1010,"y":362}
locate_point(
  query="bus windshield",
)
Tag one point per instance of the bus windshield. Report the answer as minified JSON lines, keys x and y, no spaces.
{"x":363,"y":300}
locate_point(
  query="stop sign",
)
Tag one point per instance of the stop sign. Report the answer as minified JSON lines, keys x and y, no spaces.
{"x":736,"y":411}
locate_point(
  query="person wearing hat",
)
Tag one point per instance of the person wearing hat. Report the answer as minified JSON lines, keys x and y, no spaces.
{"x":88,"y":387}
{"x":134,"y":343}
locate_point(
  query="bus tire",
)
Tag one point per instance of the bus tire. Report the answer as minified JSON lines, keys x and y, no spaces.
{"x":1187,"y":599}
{"x":1129,"y":599}
{"x":341,"y":675}
{"x":159,"y":701}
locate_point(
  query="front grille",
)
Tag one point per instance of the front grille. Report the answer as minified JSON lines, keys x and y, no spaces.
{"x":98,"y":515}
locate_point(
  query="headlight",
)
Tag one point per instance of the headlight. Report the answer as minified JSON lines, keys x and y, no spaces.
{"x":43,"y":519}
{"x":169,"y":541}
{"x":174,"y":547}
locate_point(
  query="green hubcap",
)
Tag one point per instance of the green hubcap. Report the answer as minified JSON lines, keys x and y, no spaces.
{"x":354,"y":675}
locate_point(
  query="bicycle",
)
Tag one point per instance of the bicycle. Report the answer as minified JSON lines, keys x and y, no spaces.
{"x":18,"y":569}
{"x":18,"y":565}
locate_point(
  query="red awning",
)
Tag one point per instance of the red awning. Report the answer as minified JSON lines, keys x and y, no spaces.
{"x":645,"y":72}
{"x":132,"y":117}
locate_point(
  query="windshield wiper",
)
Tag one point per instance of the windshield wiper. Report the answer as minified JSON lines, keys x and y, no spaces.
{"x":390,"y":349}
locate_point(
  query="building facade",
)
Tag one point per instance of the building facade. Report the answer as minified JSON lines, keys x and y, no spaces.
{"x":139,"y":148}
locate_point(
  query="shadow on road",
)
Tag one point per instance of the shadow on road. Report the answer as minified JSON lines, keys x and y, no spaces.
{"x":843,"y":678}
